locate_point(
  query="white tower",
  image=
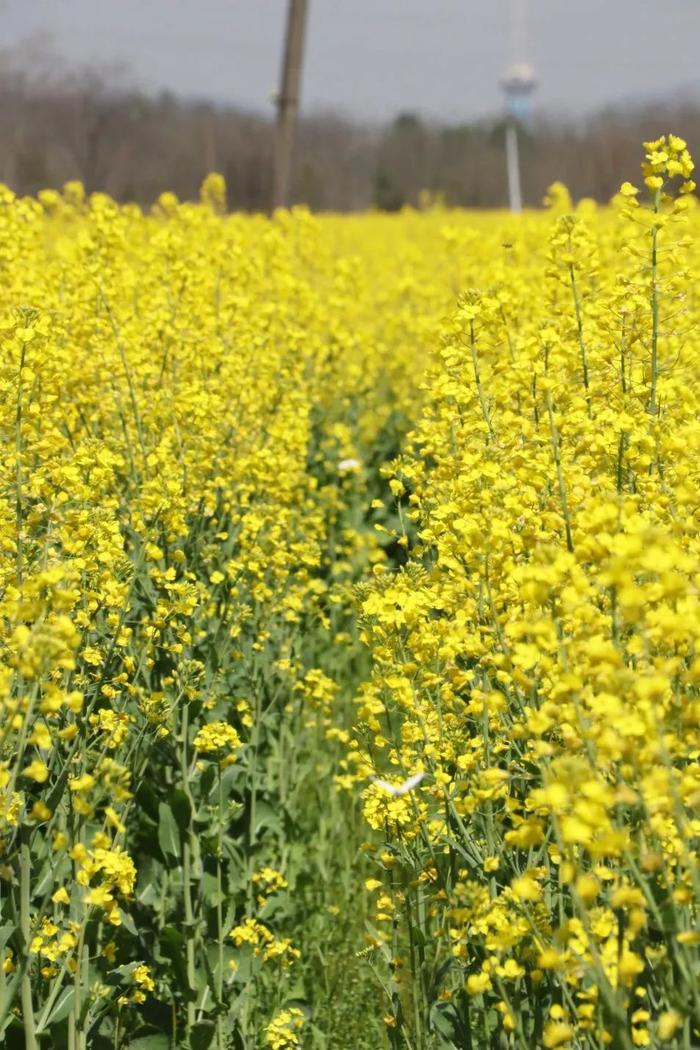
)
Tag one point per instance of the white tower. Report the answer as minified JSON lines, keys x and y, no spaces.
{"x":518,"y":85}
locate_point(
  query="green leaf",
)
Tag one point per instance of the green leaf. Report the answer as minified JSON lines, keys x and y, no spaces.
{"x":211,"y":966}
{"x":44,"y":880}
{"x":62,"y":1006}
{"x":208,"y":780}
{"x":174,"y":946}
{"x":419,"y":937}
{"x":148,"y":895}
{"x":440,"y":973}
{"x":6,"y":931}
{"x":172,"y":942}
{"x":320,"y":1037}
{"x":147,"y":800}
{"x":128,"y":923}
{"x":442,"y":1022}
{"x":296,"y":996}
{"x":157,"y":1041}
{"x":168,"y":831}
{"x":274,"y":908}
{"x":182,"y":809}
{"x":202,"y":1035}
{"x":230,"y":777}
{"x":266,"y":816}
{"x":209,"y":845}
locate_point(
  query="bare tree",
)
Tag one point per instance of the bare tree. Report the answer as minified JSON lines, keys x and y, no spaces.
{"x":55,"y":127}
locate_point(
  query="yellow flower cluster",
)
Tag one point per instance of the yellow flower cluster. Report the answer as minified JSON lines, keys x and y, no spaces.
{"x":260,"y":938}
{"x":284,"y":1030}
{"x":267,"y":882}
{"x":142,"y":986}
{"x":223,"y":435}
{"x":191,"y":405}
{"x":217,"y":736}
{"x":539,"y":653}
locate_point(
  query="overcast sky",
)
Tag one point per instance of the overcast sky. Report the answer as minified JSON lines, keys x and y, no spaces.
{"x":373,"y":58}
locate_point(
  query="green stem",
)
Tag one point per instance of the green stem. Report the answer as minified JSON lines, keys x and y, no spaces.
{"x":81,"y":984}
{"x":187,"y":884}
{"x":477,"y":379}
{"x":581,"y":342}
{"x":621,"y":459}
{"x":25,"y":869}
{"x":623,"y":381}
{"x":117,"y":1029}
{"x":220,"y":1040}
{"x":556,"y":449}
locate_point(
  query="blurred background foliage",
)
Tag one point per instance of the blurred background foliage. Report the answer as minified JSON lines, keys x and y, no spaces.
{"x":57,"y":126}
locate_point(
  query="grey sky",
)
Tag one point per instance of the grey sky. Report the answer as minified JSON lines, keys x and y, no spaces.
{"x":373,"y":58}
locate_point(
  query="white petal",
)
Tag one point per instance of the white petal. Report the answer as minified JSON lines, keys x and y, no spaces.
{"x":399,"y":789}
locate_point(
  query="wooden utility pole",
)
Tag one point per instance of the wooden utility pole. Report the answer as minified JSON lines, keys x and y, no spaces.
{"x":288,"y":98}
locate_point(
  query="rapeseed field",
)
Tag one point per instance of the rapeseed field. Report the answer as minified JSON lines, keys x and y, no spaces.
{"x":350,"y":624}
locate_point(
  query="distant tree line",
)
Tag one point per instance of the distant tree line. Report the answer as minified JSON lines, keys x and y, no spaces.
{"x":132,"y":146}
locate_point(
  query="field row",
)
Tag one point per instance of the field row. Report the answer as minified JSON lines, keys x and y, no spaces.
{"x":350,"y":624}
